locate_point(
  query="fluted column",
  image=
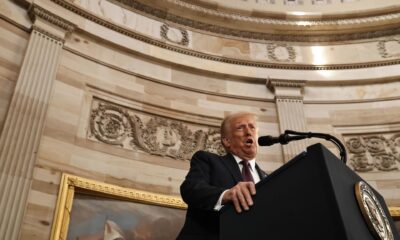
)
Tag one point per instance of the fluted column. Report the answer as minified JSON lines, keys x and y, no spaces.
{"x":24,"y":122}
{"x":289,"y":103}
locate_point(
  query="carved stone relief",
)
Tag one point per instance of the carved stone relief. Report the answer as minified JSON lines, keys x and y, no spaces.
{"x":133,"y":130}
{"x":176,"y":35}
{"x":374,"y":152}
{"x":281,"y":52}
{"x":389,"y":48}
{"x":253,"y":35}
{"x":303,"y":37}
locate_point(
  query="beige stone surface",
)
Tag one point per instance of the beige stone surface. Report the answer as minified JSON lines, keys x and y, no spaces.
{"x":185,"y":90}
{"x":13,"y":43}
{"x":303,"y":8}
{"x":317,"y":54}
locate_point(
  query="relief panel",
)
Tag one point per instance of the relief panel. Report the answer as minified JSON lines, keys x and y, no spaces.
{"x":378,"y":152}
{"x":138,"y":131}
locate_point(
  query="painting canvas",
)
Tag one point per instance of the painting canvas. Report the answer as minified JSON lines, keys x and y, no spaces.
{"x":95,"y":218}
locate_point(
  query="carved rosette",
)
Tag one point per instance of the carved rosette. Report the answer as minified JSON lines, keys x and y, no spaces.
{"x":136,"y":131}
{"x":385,"y":51}
{"x":374,"y":152}
{"x":281,"y":52}
{"x":110,"y":124}
{"x":180,"y":35}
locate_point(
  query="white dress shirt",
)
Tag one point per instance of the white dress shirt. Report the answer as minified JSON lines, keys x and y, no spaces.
{"x":253,"y":171}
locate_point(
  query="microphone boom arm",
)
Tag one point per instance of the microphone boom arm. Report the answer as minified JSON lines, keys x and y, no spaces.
{"x":328,"y":137}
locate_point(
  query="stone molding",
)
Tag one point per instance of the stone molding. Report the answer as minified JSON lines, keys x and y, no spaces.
{"x":274,"y":22}
{"x":274,"y":83}
{"x":197,"y":54}
{"x":376,"y":152}
{"x":36,"y":12}
{"x":133,"y":130}
{"x":287,"y":90}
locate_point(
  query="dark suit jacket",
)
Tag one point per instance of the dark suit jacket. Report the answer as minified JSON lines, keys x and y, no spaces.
{"x":208,"y":177}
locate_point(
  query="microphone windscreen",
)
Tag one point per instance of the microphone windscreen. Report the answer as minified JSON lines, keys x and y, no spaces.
{"x":266,"y":140}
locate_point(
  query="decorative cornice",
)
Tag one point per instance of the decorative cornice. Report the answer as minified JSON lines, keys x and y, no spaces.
{"x":275,"y":21}
{"x":295,"y":24}
{"x":288,"y":66}
{"x":274,"y":83}
{"x":36,"y":11}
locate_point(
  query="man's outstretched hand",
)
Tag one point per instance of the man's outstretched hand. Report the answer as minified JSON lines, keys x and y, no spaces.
{"x":240,"y":195}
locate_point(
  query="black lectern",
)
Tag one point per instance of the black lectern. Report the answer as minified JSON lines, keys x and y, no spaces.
{"x":310,"y":197}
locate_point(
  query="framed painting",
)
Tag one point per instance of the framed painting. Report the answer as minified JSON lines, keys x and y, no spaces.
{"x":92,"y":210}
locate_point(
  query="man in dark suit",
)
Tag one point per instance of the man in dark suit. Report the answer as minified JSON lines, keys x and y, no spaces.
{"x":214,"y":180}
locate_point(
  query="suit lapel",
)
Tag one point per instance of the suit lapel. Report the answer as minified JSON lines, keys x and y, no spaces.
{"x":230,"y":163}
{"x":260,"y":172}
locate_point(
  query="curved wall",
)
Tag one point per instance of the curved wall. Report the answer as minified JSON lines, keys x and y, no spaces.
{"x":131,"y":91}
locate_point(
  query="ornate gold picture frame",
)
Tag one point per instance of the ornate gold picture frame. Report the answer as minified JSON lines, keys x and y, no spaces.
{"x":71,"y":186}
{"x":395,"y":213}
{"x":78,"y":189}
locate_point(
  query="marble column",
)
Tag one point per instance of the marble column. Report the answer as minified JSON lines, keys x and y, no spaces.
{"x":289,"y":103}
{"x":22,"y":130}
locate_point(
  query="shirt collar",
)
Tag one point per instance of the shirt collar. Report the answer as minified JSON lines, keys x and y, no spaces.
{"x":252,"y":161}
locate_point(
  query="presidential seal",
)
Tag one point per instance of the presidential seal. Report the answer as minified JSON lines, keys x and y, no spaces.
{"x":373,"y":212}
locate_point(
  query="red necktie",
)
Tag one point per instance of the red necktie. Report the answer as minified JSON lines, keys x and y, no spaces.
{"x":246,"y":174}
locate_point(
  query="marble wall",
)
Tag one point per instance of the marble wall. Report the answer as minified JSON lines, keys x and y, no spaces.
{"x":13,"y":45}
{"x":130,"y":101}
{"x":267,"y":52}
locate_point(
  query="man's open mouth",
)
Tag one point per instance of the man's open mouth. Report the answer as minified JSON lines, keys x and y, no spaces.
{"x":249,"y":142}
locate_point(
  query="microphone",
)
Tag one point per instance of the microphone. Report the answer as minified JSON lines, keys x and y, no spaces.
{"x":285,"y":138}
{"x":282,"y":139}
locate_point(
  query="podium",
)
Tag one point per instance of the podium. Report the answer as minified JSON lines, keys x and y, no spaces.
{"x":311,"y":197}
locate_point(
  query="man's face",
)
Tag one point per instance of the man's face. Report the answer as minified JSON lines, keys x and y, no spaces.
{"x":241,"y":137}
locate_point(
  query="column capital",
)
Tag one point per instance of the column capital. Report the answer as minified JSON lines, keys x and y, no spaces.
{"x":274,"y":83}
{"x":49,"y":23}
{"x":286,"y":89}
